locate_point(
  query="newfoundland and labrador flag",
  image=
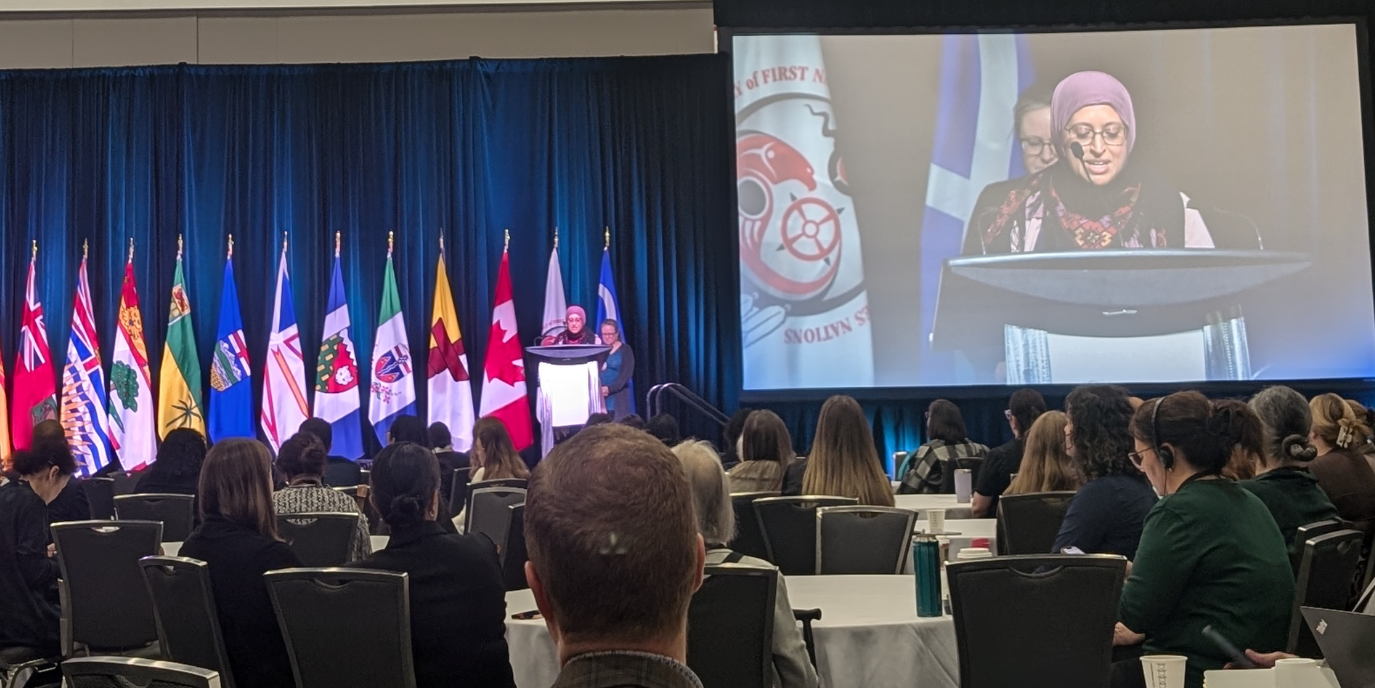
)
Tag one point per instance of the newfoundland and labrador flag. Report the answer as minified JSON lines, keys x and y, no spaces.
{"x":35,"y":390}
{"x":336,"y":374}
{"x":83,"y":386}
{"x":393,"y":372}
{"x":284,"y":381}
{"x":231,"y":386}
{"x":133,"y":432}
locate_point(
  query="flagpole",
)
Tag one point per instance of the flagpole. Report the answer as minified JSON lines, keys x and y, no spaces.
{"x":556,"y":238}
{"x":230,"y":254}
{"x":506,"y":247}
{"x":35,"y":249}
{"x":179,"y":246}
{"x":85,"y":249}
{"x":284,"y":244}
{"x":606,"y":240}
{"x":131,"y":249}
{"x":391,"y":240}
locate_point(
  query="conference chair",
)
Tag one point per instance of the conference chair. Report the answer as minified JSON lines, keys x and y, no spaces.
{"x":1036,"y":621}
{"x":730,"y":627}
{"x":105,"y":603}
{"x":789,"y":526}
{"x":862,"y":539}
{"x":973,"y":464}
{"x":345,"y":627}
{"x":519,"y":483}
{"x":319,"y":538}
{"x":21,"y":667}
{"x":100,"y":494}
{"x":1028,"y":523}
{"x":1305,"y":533}
{"x":175,"y":511}
{"x":184,"y":608}
{"x":513,"y":552}
{"x":125,"y":483}
{"x":121,"y":672}
{"x":458,"y":491}
{"x":489,"y":512}
{"x":1326,"y":568}
{"x":749,"y":535}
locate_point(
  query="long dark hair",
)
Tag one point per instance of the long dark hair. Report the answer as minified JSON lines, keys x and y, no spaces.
{"x":405,"y":477}
{"x":1204,"y":431}
{"x":495,"y":452}
{"x":1101,"y":416}
{"x":945,"y":422}
{"x":236,"y":484}
{"x":180,"y":456}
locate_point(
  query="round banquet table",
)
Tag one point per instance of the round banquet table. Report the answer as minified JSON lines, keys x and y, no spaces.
{"x":920,"y":503}
{"x":869,"y":635}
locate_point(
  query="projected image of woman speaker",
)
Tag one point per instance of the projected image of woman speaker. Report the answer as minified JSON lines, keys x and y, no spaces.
{"x":1095,"y":196}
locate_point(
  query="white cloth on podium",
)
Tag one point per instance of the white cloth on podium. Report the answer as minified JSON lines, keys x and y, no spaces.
{"x":568,"y":394}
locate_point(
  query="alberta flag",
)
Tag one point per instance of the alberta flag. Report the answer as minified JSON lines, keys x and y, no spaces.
{"x":83,"y":386}
{"x":231,"y":387}
{"x":336,"y":373}
{"x":133,"y":421}
{"x":284,"y":380}
{"x":393,"y":371}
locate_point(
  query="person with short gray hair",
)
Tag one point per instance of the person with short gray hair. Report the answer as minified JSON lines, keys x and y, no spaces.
{"x":1283,"y":481}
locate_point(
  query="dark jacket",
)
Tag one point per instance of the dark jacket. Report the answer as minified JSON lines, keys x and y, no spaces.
{"x":458,"y":605}
{"x":620,"y":401}
{"x":152,"y":483}
{"x":996,"y":476}
{"x":1106,"y":516}
{"x":792,"y":478}
{"x":625,"y":670}
{"x":1349,"y":482}
{"x":1293,"y":497}
{"x":27,"y":573}
{"x":238,"y":557}
{"x":340,"y":472}
{"x":70,"y":504}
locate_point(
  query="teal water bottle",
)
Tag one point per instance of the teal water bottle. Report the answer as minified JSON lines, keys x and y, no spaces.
{"x":926,"y":565}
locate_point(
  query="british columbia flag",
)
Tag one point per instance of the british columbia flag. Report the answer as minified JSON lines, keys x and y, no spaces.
{"x":84,"y":419}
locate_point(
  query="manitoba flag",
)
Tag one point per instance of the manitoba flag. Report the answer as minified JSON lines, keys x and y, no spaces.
{"x":503,"y":372}
{"x":35,"y":386}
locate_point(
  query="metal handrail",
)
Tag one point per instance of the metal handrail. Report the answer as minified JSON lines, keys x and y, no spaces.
{"x":653,"y":402}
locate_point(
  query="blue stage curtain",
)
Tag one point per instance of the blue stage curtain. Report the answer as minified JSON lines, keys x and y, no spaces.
{"x":462,"y":150}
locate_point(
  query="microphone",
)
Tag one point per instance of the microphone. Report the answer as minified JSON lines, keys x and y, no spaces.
{"x":1077,"y":150}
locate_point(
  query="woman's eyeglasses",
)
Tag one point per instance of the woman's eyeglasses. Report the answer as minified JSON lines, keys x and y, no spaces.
{"x":1113,"y":134}
{"x":1136,"y":458}
{"x":1007,"y":413}
{"x":1034,"y":146}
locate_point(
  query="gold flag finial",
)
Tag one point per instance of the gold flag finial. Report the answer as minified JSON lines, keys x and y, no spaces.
{"x":556,"y":238}
{"x":507,"y":246}
{"x":338,"y":239}
{"x":391,"y":242}
{"x":606,"y":239}
{"x":230,"y":254}
{"x":131,"y":249}
{"x":441,"y":240}
{"x":35,"y":249}
{"x":284,"y":237}
{"x":85,"y":248}
{"x":179,"y":246}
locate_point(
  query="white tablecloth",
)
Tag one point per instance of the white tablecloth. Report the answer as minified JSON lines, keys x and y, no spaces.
{"x":869,"y":635}
{"x":921,"y":502}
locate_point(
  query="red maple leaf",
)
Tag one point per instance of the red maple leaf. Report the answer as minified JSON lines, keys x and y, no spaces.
{"x":504,"y":360}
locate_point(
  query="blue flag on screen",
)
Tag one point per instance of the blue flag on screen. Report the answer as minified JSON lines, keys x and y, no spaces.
{"x":608,"y":306}
{"x":975,"y":145}
{"x":336,"y":375}
{"x":231,"y":387}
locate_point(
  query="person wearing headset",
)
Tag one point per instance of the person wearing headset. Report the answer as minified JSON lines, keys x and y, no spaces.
{"x":1210,"y":552}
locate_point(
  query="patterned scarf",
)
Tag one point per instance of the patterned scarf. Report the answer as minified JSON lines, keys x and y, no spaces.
{"x":1101,"y":233}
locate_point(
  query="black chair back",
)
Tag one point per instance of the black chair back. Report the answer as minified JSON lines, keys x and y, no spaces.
{"x":175,"y":511}
{"x":516,"y":483}
{"x":121,"y":672}
{"x":319,"y":538}
{"x":973,"y":464}
{"x":789,"y":526}
{"x":1036,"y":621}
{"x":458,"y":491}
{"x":730,"y":627}
{"x":184,"y":607}
{"x":125,"y":483}
{"x":106,"y":606}
{"x":345,"y":627}
{"x":100,"y":494}
{"x":1307,"y":532}
{"x":489,"y":511}
{"x":1028,"y":523}
{"x":749,"y":536}
{"x":513,"y":553}
{"x":859,"y":540}
{"x":1326,"y":568}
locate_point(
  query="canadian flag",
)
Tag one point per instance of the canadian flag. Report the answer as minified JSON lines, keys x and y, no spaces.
{"x":503,"y":372}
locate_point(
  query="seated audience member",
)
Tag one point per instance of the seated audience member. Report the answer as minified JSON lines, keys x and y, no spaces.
{"x":494,"y":457}
{"x":1284,"y":484}
{"x":178,"y":468}
{"x":238,"y":539}
{"x":730,"y":437}
{"x":664,"y":427}
{"x":1105,"y":516}
{"x":1046,"y":466}
{"x":339,"y":471}
{"x":47,"y":466}
{"x":1341,"y":469}
{"x":28,"y":573}
{"x":1366,"y":417}
{"x":302,"y":461}
{"x":458,"y":597}
{"x":614,"y":586}
{"x":1245,"y":456}
{"x":408,"y":428}
{"x":449,"y":460}
{"x":1210,"y":553}
{"x":844,"y":461}
{"x":597,"y":419}
{"x":1023,"y":408}
{"x":711,"y":490}
{"x":766,"y":450}
{"x":932,"y":463}
{"x":633,"y":420}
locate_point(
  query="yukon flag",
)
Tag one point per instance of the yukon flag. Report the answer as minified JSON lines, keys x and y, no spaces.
{"x":336,"y":373}
{"x":504,"y":394}
{"x":35,"y":388}
{"x":133,"y":431}
{"x":451,"y":390}
{"x":284,"y":382}
{"x":84,"y":419}
{"x":393,"y":379}
{"x":555,"y":302}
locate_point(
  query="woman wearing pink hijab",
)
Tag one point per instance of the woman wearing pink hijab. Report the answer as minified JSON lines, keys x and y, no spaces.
{"x":577,"y":332}
{"x":1095,"y":197}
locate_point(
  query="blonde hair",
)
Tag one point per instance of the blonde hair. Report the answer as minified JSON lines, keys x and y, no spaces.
{"x":1046,"y":467}
{"x":844,"y":461}
{"x":1335,"y":423}
{"x":495,"y":452}
{"x":710,"y":491}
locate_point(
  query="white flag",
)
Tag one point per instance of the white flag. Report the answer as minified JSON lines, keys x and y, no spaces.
{"x":284,"y":383}
{"x":555,"y":303}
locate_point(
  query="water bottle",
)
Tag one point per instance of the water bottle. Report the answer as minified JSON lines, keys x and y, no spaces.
{"x":926,"y":564}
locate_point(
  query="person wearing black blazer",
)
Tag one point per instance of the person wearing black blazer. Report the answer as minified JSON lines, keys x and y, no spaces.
{"x":457,"y":595}
{"x":616,"y":372}
{"x":27,"y":573}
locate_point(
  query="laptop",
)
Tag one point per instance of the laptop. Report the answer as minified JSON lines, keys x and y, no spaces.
{"x":1347,"y":640}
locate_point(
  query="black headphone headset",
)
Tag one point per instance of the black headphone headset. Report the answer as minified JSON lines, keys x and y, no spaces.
{"x":1165,"y":454}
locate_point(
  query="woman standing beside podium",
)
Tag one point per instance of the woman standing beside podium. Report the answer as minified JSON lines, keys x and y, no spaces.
{"x":616,"y":372}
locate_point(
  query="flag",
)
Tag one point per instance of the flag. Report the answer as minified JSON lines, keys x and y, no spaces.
{"x":336,"y":373}
{"x":503,"y":372}
{"x":284,"y":381}
{"x":451,"y":391}
{"x":555,"y":303}
{"x":231,"y":385}
{"x":132,"y":415}
{"x":35,"y":387}
{"x":609,"y":307}
{"x":83,"y":386}
{"x":393,"y":382}
{"x":179,"y":381}
{"x":5,"y":458}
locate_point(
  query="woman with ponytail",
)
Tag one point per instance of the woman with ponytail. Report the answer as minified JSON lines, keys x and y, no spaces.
{"x":1341,"y":469}
{"x":458,"y":597}
{"x":1284,"y":484}
{"x":1210,"y":553}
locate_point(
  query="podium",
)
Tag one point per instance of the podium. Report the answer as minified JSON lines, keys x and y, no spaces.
{"x":1029,"y":302}
{"x":570,"y":387}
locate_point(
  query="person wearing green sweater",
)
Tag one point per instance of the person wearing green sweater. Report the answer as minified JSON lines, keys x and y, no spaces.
{"x":1284,"y":484}
{"x":1210,"y":552}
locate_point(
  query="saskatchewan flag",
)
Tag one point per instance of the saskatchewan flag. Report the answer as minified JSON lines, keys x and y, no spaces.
{"x":179,"y":389}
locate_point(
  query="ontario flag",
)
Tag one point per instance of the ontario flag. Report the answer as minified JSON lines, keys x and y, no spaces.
{"x":336,"y":372}
{"x":35,"y":386}
{"x":83,"y":386}
{"x":133,"y":418}
{"x":451,"y":390}
{"x":284,"y":382}
{"x":504,"y":394}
